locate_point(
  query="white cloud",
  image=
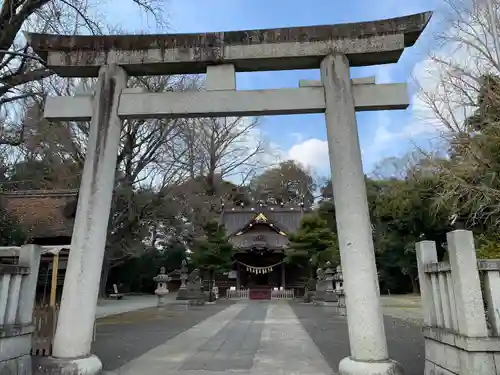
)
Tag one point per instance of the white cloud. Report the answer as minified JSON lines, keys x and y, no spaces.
{"x":311,"y":153}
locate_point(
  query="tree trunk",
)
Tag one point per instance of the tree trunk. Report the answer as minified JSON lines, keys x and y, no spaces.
{"x":104,"y":275}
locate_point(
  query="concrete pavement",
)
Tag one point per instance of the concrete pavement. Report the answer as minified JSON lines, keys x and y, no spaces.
{"x":244,"y":338}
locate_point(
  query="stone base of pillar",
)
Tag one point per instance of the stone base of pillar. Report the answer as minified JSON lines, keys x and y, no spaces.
{"x":196,"y":302}
{"x":319,"y":296}
{"x":349,"y":366}
{"x":331,"y":297}
{"x":57,"y":366}
{"x":161,"y":301}
{"x":182,"y":294}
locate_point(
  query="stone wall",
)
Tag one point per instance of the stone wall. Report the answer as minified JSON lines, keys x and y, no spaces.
{"x":461,"y":336}
{"x":17,"y":298}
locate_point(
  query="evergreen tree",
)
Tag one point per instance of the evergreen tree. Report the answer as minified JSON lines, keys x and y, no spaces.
{"x":313,"y":244}
{"x":214,"y":253}
{"x":11,"y":233}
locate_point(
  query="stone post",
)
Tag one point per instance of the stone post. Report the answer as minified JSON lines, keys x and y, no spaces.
{"x":29,"y":256}
{"x":466,"y":284}
{"x":75,"y":324}
{"x":368,"y":344}
{"x":426,"y":253}
{"x":162,"y":288}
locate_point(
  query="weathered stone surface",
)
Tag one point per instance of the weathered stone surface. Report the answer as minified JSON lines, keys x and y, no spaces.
{"x":365,"y":43}
{"x":90,"y":365}
{"x":76,"y":318}
{"x":13,"y":269}
{"x":16,"y":366}
{"x":120,"y":339}
{"x":14,"y":346}
{"x":228,"y":103}
{"x":194,"y":292}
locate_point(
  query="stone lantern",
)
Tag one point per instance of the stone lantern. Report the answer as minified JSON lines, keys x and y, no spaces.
{"x":330,"y":295}
{"x":339,"y":290}
{"x":161,"y":289}
{"x":182,"y":292}
{"x":320,"y":286}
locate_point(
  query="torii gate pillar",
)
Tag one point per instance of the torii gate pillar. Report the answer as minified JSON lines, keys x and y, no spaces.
{"x":367,"y":339}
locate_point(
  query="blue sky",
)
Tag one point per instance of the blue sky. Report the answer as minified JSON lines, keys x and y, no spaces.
{"x":303,"y":137}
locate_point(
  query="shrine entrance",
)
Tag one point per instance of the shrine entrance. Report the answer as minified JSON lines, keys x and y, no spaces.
{"x":334,"y":49}
{"x":261,"y":270}
{"x":261,"y":273}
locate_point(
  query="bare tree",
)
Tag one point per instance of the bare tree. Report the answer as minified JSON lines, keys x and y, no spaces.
{"x":461,"y":88}
{"x":19,"y":66}
{"x":218,"y":150}
{"x":289,"y":182}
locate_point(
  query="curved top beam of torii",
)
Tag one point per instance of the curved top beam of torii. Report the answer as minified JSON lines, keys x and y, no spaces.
{"x":364,"y":43}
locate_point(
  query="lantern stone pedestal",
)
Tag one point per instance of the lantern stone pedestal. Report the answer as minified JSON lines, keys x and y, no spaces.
{"x":194,"y":289}
{"x":162,"y":290}
{"x":319,"y":296}
{"x":339,"y":291}
{"x":182,"y":293}
{"x":330,"y":298}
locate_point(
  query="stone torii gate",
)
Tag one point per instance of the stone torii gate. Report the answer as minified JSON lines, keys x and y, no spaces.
{"x":334,"y":49}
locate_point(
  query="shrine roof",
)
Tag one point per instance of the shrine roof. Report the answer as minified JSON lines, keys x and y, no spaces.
{"x":42,"y":213}
{"x":286,"y":218}
{"x":364,"y":43}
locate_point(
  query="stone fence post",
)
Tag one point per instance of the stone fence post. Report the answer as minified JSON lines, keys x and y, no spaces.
{"x":467,"y":286}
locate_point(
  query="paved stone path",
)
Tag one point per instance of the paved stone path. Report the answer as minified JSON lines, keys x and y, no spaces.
{"x":245,"y":338}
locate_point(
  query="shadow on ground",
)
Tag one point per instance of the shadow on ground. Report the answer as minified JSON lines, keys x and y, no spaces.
{"x":122,"y":338}
{"x":329,"y":332}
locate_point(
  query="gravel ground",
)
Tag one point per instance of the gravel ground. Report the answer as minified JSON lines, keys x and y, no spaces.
{"x":406,"y":307}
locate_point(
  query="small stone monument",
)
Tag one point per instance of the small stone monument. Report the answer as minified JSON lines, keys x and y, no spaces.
{"x":319,"y":296}
{"x":330,"y":296}
{"x":215,"y":291}
{"x":194,"y":289}
{"x":182,"y":292}
{"x":162,"y":288}
{"x":339,"y":290}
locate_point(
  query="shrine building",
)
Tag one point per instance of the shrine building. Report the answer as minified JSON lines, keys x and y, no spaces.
{"x":259,"y":235}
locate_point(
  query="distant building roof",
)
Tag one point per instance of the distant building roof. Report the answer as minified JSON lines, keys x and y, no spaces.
{"x":287,"y":218}
{"x":42,"y":213}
